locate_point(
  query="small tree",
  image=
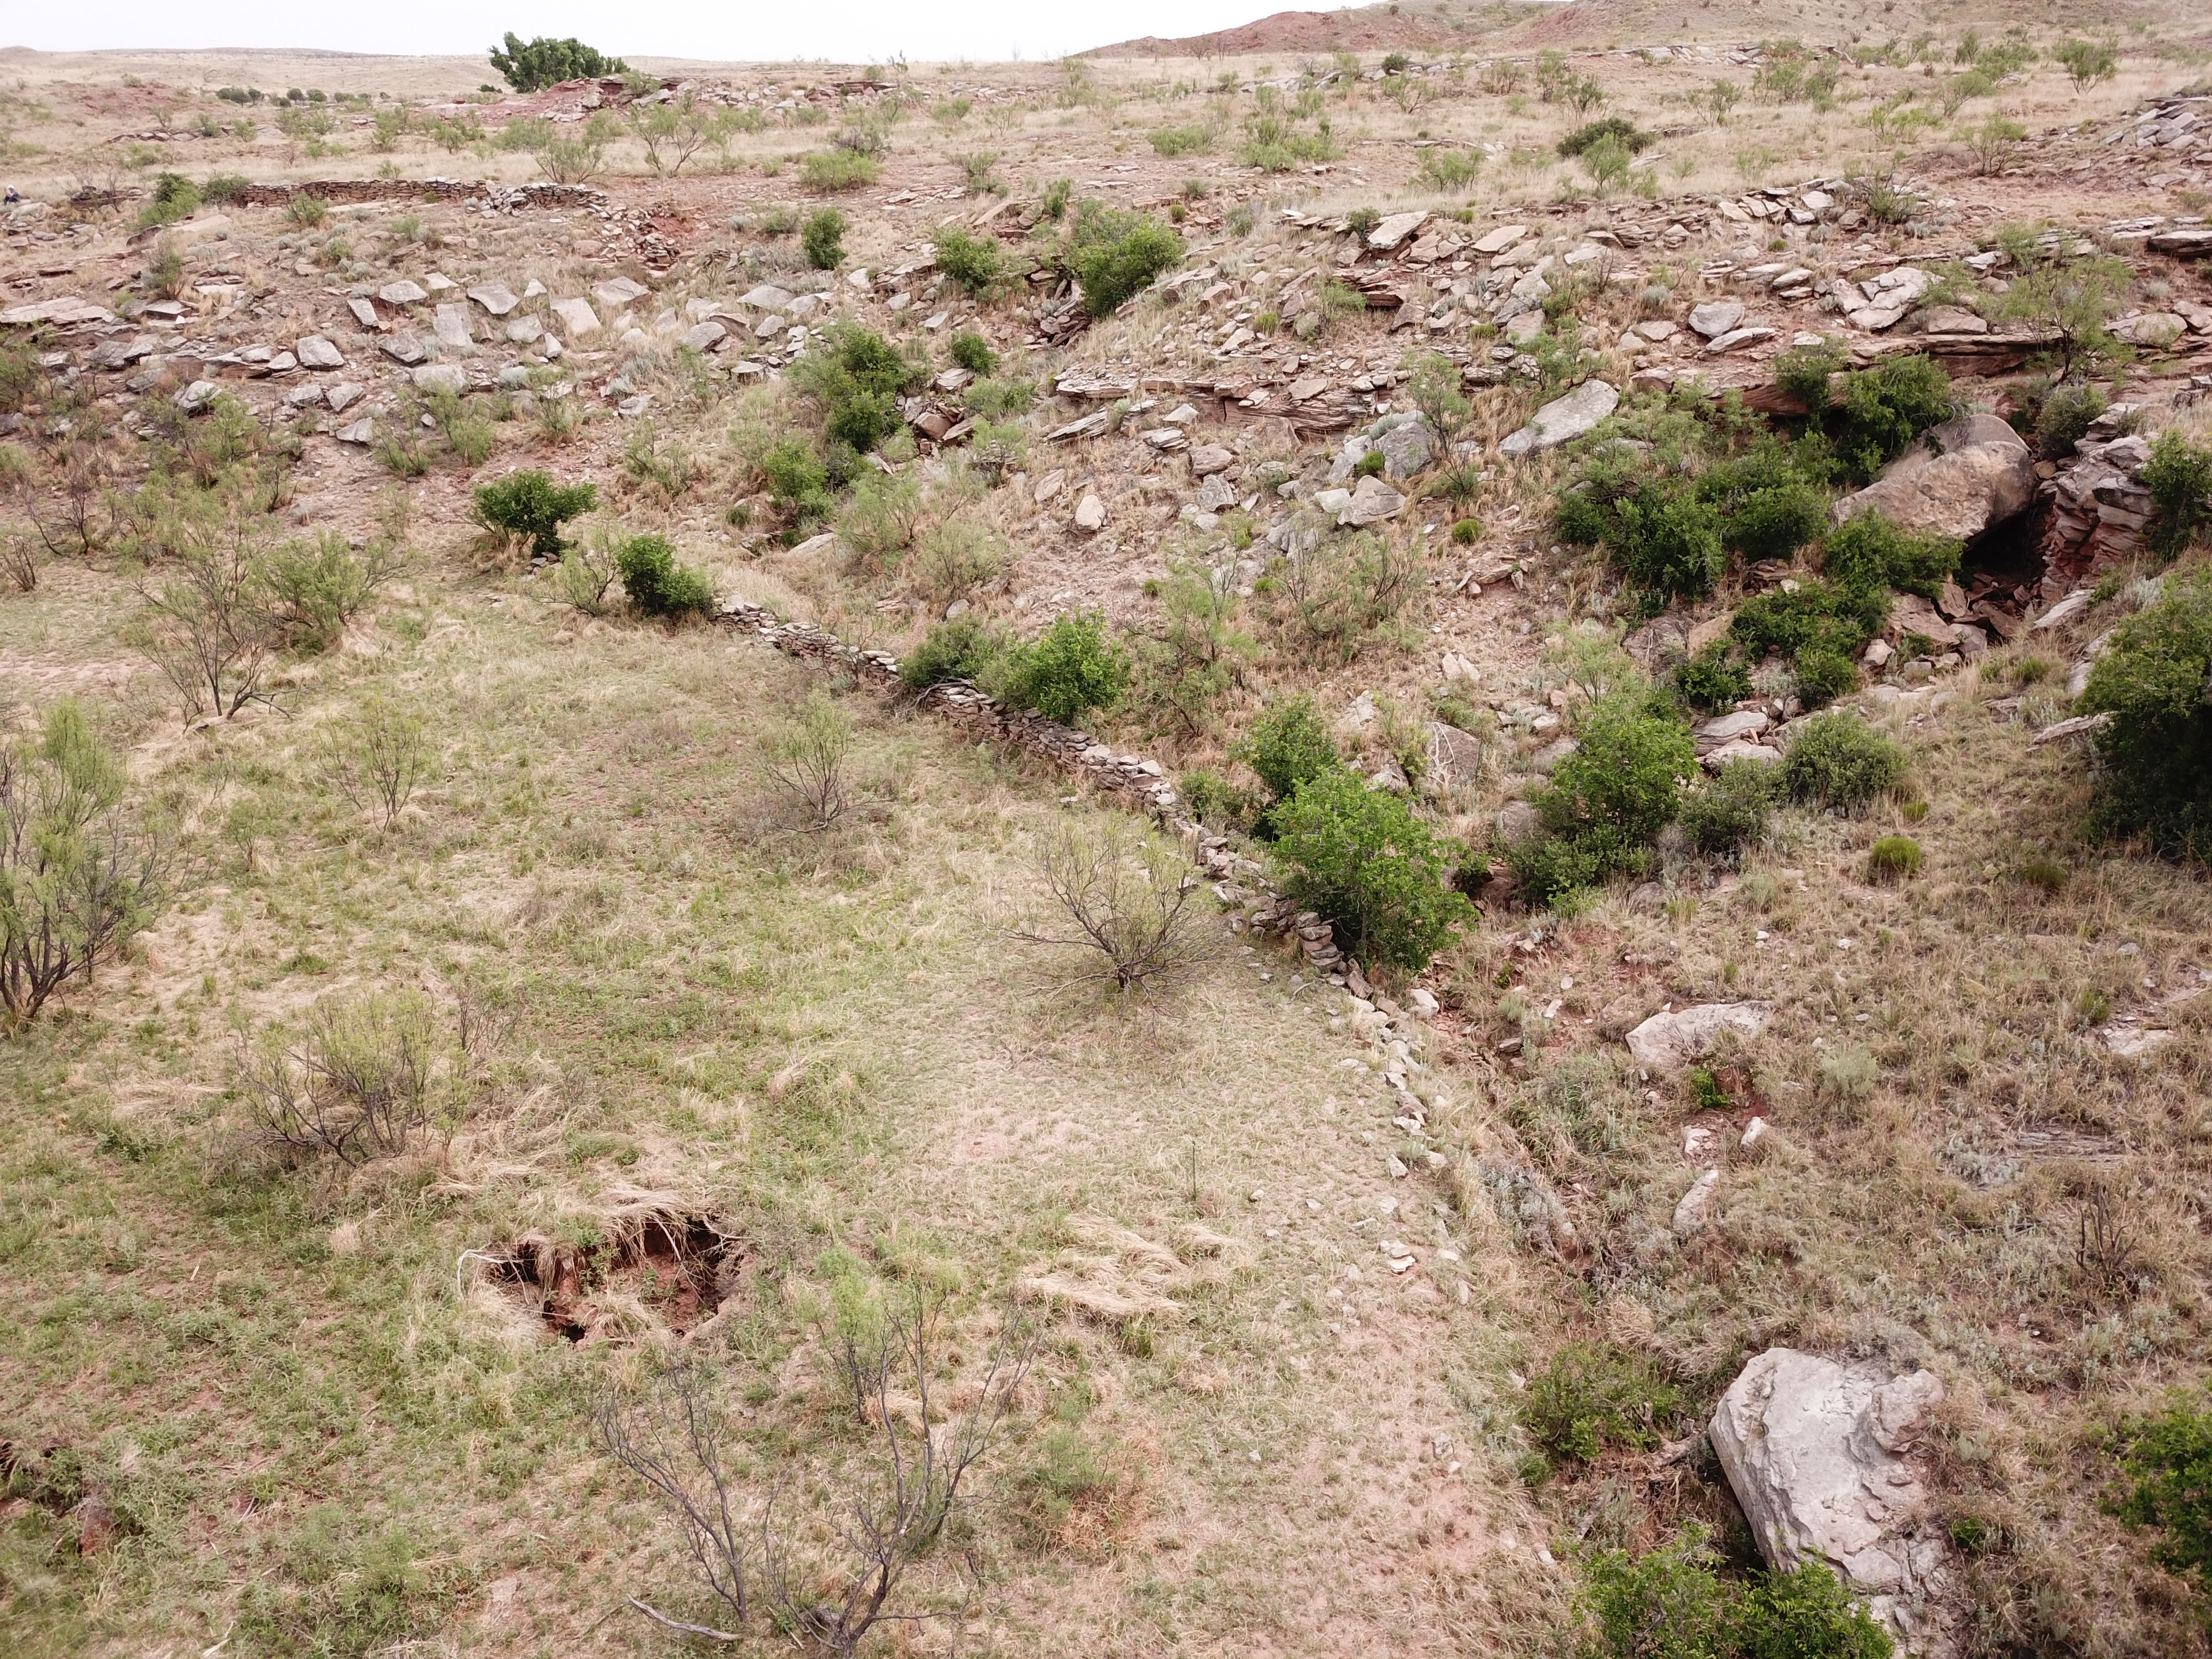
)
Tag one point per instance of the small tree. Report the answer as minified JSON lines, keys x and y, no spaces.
{"x":1838,"y":760}
{"x":357,"y":1085}
{"x":2086,"y":62}
{"x":805,"y":761}
{"x":530,"y":504}
{"x":2069,"y":296}
{"x":1072,"y":669}
{"x":1433,"y":388}
{"x":2179,"y":479}
{"x":973,"y":262}
{"x":533,"y":65}
{"x":1126,"y":902}
{"x":1360,"y":857}
{"x":1114,"y":253}
{"x":823,"y":237}
{"x":208,"y":628}
{"x":2157,"y":748}
{"x":79,"y":874}
{"x":377,"y":758}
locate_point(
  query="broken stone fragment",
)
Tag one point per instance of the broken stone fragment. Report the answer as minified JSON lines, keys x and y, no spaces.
{"x":403,"y":293}
{"x":1716,"y":317}
{"x":1090,"y":514}
{"x":576,"y":316}
{"x":1667,"y":1042}
{"x":1564,"y":419}
{"x":496,"y":298}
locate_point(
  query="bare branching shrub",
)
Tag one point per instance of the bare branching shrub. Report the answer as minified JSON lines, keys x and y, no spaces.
{"x":69,"y":499}
{"x":359,"y":1084}
{"x":1341,"y":593}
{"x":1125,"y":901}
{"x":666,"y":1438}
{"x":919,"y":1476}
{"x":208,"y":626}
{"x":19,"y":560}
{"x":586,"y":574}
{"x":805,"y":762}
{"x":79,"y":872}
{"x":376,"y":758}
{"x":2104,"y":1252}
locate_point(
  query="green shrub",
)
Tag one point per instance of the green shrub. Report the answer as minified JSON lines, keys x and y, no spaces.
{"x":1115,"y":253}
{"x":1623,"y":775}
{"x":1613,"y":129}
{"x":1181,"y":141}
{"x":1711,"y":680}
{"x":1070,"y":671}
{"x":1657,"y":533}
{"x":1360,"y":857}
{"x":1667,"y":1604}
{"x":1213,"y":800}
{"x":1464,"y":532}
{"x":1869,"y":553}
{"x":972,"y":352}
{"x":965,"y":649}
{"x":1608,"y":800}
{"x":172,"y":197}
{"x":798,"y":482}
{"x":2179,"y":479}
{"x":1820,"y":628}
{"x":1588,"y":1399}
{"x":822,"y":236}
{"x":1806,"y":1614}
{"x":1823,"y":674}
{"x":531,"y":504}
{"x":534,"y":65}
{"x":993,"y":400}
{"x":837,"y":169}
{"x":1449,"y":169}
{"x":856,"y":375}
{"x":1729,"y":811}
{"x":1803,"y":374}
{"x":656,"y":584}
{"x":2065,"y":417}
{"x":1838,"y":760}
{"x":1893,"y":858}
{"x":1052,"y":201}
{"x":2168,"y":1458}
{"x":225,"y":187}
{"x":1769,"y":508}
{"x":1288,"y":743}
{"x":973,"y":262}
{"x":2156,"y":780}
{"x":1886,"y":407}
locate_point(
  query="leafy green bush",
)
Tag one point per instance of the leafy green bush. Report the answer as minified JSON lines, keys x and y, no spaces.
{"x":972,"y":352}
{"x":2065,"y":417}
{"x":1360,"y":857}
{"x":1613,"y":129}
{"x":1667,"y":1604}
{"x":1868,"y":553}
{"x":1449,"y":169}
{"x":837,"y":169}
{"x":530,"y":503}
{"x":1660,"y":537}
{"x":1806,"y":1614}
{"x":1115,"y":253}
{"x":975,"y":262}
{"x":1819,"y":629}
{"x":534,"y":65}
{"x":222,"y":188}
{"x":1070,"y":671}
{"x":2156,"y":781}
{"x":1885,"y":408}
{"x":1212,"y":798}
{"x":1589,"y":1398}
{"x":1607,"y":801}
{"x":798,"y":482}
{"x":1803,"y":373}
{"x":1893,"y":858}
{"x":965,"y":649}
{"x":856,"y":375}
{"x":1838,"y":760}
{"x":1769,"y":507}
{"x":2179,"y":479}
{"x":822,"y":236}
{"x":996,"y":399}
{"x":1181,"y":141}
{"x":1709,"y":680}
{"x":1288,"y":745}
{"x":1729,"y":811}
{"x":172,"y":197}
{"x":2169,"y":1459}
{"x":656,"y":584}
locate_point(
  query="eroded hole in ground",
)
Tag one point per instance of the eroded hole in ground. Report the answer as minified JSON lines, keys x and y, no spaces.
{"x":654,"y":1269}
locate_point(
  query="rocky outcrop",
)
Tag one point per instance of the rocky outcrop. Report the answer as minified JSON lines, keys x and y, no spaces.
{"x":2096,"y":506}
{"x":1821,"y":1456}
{"x":1961,"y":479}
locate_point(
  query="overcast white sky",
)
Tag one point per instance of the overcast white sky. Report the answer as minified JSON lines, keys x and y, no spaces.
{"x":841,"y":31}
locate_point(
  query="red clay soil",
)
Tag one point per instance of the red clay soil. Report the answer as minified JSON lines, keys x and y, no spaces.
{"x":1366,"y":28}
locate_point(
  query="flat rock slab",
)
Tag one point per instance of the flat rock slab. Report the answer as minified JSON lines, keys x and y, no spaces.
{"x":1716,"y":317}
{"x":703,"y":337}
{"x":451,"y":325}
{"x":1667,"y":1042}
{"x":618,"y":292}
{"x":404,"y":349}
{"x":441,"y":377}
{"x":767,"y":297}
{"x":1206,"y":460}
{"x":1372,"y":502}
{"x":1819,"y":1456}
{"x":64,"y":312}
{"x":1396,"y":228}
{"x":497,"y":298}
{"x":403,"y":293}
{"x":1736,"y":338}
{"x":1564,"y":419}
{"x":1498,"y":241}
{"x":577,"y":316}
{"x":316,"y":352}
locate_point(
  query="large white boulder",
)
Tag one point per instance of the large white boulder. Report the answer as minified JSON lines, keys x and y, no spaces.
{"x":1959,"y":479}
{"x":1821,"y":1456}
{"x":1667,"y":1042}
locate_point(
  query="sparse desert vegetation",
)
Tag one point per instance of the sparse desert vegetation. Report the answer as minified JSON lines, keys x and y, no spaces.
{"x":1379,"y":835}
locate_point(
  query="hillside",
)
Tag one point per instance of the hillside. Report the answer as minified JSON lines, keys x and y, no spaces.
{"x":1376,"y":845}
